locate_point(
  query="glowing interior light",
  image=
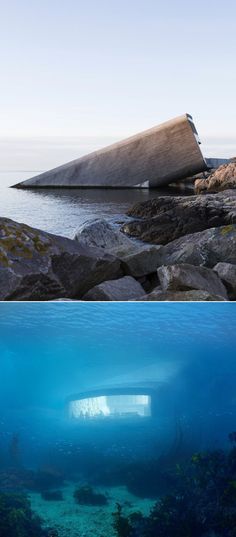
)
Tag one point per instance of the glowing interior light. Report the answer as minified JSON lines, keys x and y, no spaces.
{"x":111,"y":405}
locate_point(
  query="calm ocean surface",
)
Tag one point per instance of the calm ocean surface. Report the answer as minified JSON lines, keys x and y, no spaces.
{"x":61,"y":211}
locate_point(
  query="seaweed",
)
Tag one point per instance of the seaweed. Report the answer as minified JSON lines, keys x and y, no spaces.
{"x":17,"y":519}
{"x":203,"y":502}
{"x":121,"y":524}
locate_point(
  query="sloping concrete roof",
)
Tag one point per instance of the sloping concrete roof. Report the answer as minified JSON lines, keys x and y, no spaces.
{"x":155,"y":157}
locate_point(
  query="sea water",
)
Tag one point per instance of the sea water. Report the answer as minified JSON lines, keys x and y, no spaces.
{"x":183,"y":353}
{"x":59,"y":211}
{"x":62,"y":211}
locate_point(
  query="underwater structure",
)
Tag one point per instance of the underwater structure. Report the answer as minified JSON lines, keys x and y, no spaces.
{"x":161,"y":155}
{"x":112,"y":403}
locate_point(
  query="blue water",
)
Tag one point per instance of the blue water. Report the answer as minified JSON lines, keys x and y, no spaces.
{"x":49,"y":351}
{"x":185,"y":352}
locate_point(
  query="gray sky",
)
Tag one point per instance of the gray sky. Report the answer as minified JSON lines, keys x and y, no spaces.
{"x":112,"y":68}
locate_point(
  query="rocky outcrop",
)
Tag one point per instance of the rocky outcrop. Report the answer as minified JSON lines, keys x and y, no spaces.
{"x":167,"y":218}
{"x":223,"y":178}
{"x":181,"y":296}
{"x":186,"y":277}
{"x":126,"y":288}
{"x":227,"y":273}
{"x":206,"y":248}
{"x":35,"y":265}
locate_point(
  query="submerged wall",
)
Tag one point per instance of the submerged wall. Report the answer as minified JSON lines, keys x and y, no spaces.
{"x":153,"y":158}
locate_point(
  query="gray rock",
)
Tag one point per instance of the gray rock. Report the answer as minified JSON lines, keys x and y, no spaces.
{"x":138,"y":259}
{"x":227,"y":273}
{"x":167,"y":218}
{"x":141,"y":262}
{"x":185,"y":277}
{"x":181,"y":296}
{"x":126,"y":288}
{"x":35,"y":265}
{"x":206,"y":248}
{"x":100,"y":233}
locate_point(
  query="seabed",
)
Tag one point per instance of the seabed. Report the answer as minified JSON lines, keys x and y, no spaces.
{"x":72,"y":520}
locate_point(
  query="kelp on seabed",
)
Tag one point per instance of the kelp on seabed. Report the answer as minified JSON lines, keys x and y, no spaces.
{"x":203,"y":501}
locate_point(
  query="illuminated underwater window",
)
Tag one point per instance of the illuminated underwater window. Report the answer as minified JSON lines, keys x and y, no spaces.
{"x":111,"y":406}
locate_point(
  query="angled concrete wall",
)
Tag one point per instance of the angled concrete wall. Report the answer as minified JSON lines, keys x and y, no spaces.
{"x":153,"y":158}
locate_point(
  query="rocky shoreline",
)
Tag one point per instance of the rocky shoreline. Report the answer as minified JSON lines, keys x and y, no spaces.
{"x":169,"y":249}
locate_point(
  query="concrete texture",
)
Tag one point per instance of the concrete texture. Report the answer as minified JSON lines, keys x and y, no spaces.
{"x":156,"y":157}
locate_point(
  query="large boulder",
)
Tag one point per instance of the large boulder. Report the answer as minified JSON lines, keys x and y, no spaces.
{"x":223,"y":178}
{"x":126,"y":288}
{"x":141,"y":262}
{"x":164,"y":219}
{"x":227,"y":273}
{"x":186,"y":277}
{"x":206,"y":248}
{"x":35,"y":265}
{"x":138,"y":259}
{"x":181,"y":296}
{"x":102,"y":234}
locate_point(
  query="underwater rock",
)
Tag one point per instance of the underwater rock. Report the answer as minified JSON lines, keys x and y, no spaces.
{"x":126,"y":288}
{"x":206,"y":248}
{"x":35,"y":265}
{"x":181,"y":296}
{"x":185,"y":277}
{"x":167,"y":218}
{"x":44,"y":480}
{"x":15,"y":479}
{"x":227,"y":273}
{"x":85,"y":495}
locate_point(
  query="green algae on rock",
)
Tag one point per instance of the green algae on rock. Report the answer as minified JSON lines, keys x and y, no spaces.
{"x":35,"y":265}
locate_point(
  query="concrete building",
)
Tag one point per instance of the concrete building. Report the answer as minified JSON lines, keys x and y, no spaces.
{"x":156,"y":157}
